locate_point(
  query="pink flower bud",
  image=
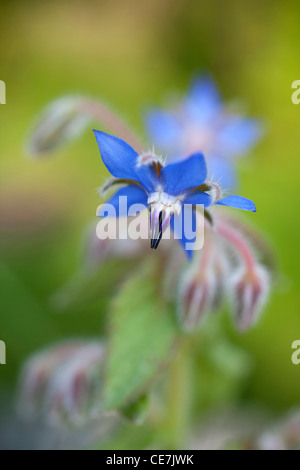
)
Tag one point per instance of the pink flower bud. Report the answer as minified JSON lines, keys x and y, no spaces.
{"x":249,"y":292}
{"x":38,"y":371}
{"x":196,"y":295}
{"x":63,"y":382}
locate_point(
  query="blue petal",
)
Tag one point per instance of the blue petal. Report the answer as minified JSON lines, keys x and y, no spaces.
{"x":222,"y":171}
{"x":238,"y":202}
{"x":238,"y":135}
{"x":198,"y":197}
{"x":121,"y":161}
{"x":164,"y":130}
{"x":203,"y":101}
{"x":178,"y":220}
{"x":185,"y":175}
{"x":135,"y":195}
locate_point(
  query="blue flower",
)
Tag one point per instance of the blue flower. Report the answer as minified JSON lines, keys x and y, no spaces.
{"x":201,"y":123}
{"x":168,"y":191}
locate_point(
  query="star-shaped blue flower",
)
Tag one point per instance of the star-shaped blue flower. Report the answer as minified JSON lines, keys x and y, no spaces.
{"x":202,"y":123}
{"x":168,"y":191}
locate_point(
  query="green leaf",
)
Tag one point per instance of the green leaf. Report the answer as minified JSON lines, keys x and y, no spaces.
{"x":24,"y":325}
{"x":141,"y":337}
{"x":136,"y":411}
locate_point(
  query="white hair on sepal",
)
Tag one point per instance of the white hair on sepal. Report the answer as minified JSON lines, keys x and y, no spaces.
{"x":149,"y":158}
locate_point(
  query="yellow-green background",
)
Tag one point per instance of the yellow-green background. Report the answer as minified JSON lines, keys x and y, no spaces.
{"x":133,"y":54}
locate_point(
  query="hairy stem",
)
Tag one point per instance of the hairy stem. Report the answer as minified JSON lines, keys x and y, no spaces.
{"x":105,"y":116}
{"x":237,"y":241}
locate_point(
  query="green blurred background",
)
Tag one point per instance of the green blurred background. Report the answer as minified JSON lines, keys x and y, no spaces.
{"x":133,"y":54}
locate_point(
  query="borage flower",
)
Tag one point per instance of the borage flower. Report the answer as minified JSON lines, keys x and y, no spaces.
{"x":170,"y":192}
{"x":202,"y":122}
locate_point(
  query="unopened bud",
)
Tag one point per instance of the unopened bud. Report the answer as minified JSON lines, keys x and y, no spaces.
{"x":196,"y":295}
{"x":38,"y":371}
{"x":61,"y":122}
{"x":249,"y":291}
{"x":63,"y":382}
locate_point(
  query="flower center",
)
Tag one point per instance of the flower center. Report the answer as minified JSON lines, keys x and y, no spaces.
{"x":162,"y":208}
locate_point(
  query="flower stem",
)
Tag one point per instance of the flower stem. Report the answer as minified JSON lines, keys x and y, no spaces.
{"x":179,"y":397}
{"x":112,"y":122}
{"x":237,"y":241}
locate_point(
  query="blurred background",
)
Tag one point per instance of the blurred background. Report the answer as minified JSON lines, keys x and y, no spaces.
{"x":131,"y":55}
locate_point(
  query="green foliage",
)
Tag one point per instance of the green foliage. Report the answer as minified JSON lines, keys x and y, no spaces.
{"x":25,"y":325}
{"x":142,"y":332}
{"x":136,"y":411}
{"x":222,"y":371}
